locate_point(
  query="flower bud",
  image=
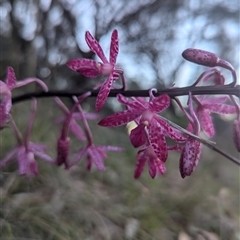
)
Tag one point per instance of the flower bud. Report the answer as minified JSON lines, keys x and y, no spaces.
{"x":201,"y":57}
{"x":62,"y":151}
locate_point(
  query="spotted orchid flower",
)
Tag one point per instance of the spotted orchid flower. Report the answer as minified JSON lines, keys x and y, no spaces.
{"x":6,"y":92}
{"x":91,"y":68}
{"x":155,"y":165}
{"x":146,"y":114}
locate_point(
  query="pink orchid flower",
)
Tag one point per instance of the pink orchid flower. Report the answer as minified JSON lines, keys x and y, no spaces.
{"x":146,"y":113}
{"x":95,"y":154}
{"x":26,"y":151}
{"x":90,"y":68}
{"x":74,"y":127}
{"x":6,"y":92}
{"x":155,"y":165}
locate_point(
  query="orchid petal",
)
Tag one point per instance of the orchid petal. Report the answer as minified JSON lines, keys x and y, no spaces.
{"x":169,"y":131}
{"x":137,"y":136}
{"x":114,"y":47}
{"x":76,"y":130}
{"x":119,"y":118}
{"x":78,"y":157}
{"x":26,"y":162}
{"x":87,"y":67}
{"x":36,"y":147}
{"x":5,"y":107}
{"x":141,"y":161}
{"x":97,"y":155}
{"x":103,"y":93}
{"x":158,"y":141}
{"x":160,"y":166}
{"x":131,"y":103}
{"x":160,"y":103}
{"x":152,"y":168}
{"x":206,"y":122}
{"x":221,"y":108}
{"x":213,"y":100}
{"x":95,"y":46}
{"x":44,"y":156}
{"x":11,"y":78}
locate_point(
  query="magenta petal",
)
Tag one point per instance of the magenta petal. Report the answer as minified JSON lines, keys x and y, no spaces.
{"x":103,"y":93}
{"x":220,"y":108}
{"x":158,"y":141}
{"x":213,"y":100}
{"x":169,"y":131}
{"x":5,"y":107}
{"x":97,"y":155}
{"x":236,"y":134}
{"x":26,"y":162}
{"x":77,"y":130}
{"x":131,"y":103}
{"x":206,"y":122}
{"x":137,"y":136}
{"x":141,"y":160}
{"x":36,"y":147}
{"x":160,"y":166}
{"x":159,"y":103}
{"x":119,"y":118}
{"x":11,"y":78}
{"x":114,"y":47}
{"x":87,"y":67}
{"x":189,"y":157}
{"x":152,"y":168}
{"x":95,"y":46}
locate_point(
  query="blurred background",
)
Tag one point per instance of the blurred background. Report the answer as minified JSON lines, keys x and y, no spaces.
{"x":37,"y":37}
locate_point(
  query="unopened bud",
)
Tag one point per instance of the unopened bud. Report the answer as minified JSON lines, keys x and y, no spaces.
{"x":201,"y":57}
{"x":63,"y":151}
{"x":236,"y":134}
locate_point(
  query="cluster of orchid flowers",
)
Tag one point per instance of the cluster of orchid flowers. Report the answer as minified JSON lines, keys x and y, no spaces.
{"x":151,"y":130}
